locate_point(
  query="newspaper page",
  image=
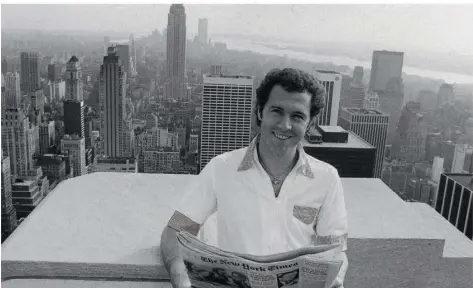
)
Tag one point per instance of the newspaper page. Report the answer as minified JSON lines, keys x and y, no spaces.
{"x":209,"y":266}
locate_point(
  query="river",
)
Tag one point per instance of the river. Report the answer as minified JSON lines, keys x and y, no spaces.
{"x":248,"y":45}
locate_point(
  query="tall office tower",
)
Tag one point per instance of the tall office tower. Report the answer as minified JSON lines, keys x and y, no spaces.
{"x":106,"y":44}
{"x":356,"y":92}
{"x":427,"y":99}
{"x":203,"y":35}
{"x":371,"y":126}
{"x":133,"y":51}
{"x":112,"y":98}
{"x":47,"y":136}
{"x":15,"y":127}
{"x":123,"y":52}
{"x":29,"y":77}
{"x":454,"y":201}
{"x":332,"y":82}
{"x":4,"y":100}
{"x":385,"y":65}
{"x":74,"y":146}
{"x":432,"y":145}
{"x":4,"y":65}
{"x":8,"y":211}
{"x":226,"y":115}
{"x":176,"y":86}
{"x":37,"y":100}
{"x":445,"y":94}
{"x":460,"y":156}
{"x":390,"y":102}
{"x":53,"y":72}
{"x":12,"y":89}
{"x":409,"y":143}
{"x":74,"y":85}
{"x":216,"y":70}
{"x":371,"y":101}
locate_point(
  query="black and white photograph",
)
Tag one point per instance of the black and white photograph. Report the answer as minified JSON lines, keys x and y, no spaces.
{"x":260,"y":128}
{"x":288,"y":279}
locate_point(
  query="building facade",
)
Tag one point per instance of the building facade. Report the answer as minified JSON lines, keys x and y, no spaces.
{"x":112,"y":98}
{"x":385,"y":65}
{"x":455,"y":201}
{"x":226,"y":115}
{"x":12,"y":90}
{"x":29,"y":77}
{"x":203,"y":35}
{"x":47,"y":136}
{"x":121,"y":165}
{"x":332,"y":82}
{"x":74,"y":117}
{"x":8,"y":210}
{"x":371,"y":126}
{"x":74,"y":84}
{"x":176,"y":82}
{"x":74,"y":146}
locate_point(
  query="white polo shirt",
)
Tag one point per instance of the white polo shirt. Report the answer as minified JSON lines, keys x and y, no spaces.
{"x":309,"y":210}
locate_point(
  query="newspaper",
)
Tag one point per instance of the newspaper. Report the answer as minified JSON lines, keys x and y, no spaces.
{"x":210,"y":267}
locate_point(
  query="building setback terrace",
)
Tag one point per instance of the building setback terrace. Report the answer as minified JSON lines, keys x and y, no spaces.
{"x":103,"y":230}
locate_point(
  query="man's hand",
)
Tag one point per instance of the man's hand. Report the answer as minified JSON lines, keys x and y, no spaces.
{"x":178,"y":274}
{"x":338,"y":283}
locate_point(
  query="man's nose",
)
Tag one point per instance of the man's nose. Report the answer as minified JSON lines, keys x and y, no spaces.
{"x":285,"y":124}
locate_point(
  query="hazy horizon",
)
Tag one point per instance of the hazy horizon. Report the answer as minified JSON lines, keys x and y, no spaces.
{"x":430,"y":28}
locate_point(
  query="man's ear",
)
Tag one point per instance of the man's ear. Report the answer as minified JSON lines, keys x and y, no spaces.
{"x":258,"y":112}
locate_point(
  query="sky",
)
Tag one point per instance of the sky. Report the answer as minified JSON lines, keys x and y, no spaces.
{"x":435,"y":28}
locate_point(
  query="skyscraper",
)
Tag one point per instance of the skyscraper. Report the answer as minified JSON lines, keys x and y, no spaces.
{"x":356,"y":92}
{"x":15,"y":126}
{"x":123,"y":52}
{"x":371,"y":126}
{"x":133,"y":52}
{"x":385,"y":65}
{"x":226,"y":115}
{"x":8,"y":211}
{"x":112,"y":98}
{"x":454,"y":200}
{"x":390,"y":102}
{"x":74,"y":85}
{"x":29,"y":77}
{"x":203,"y":35}
{"x":106,"y":44}
{"x":411,"y":133}
{"x":332,"y":82}
{"x":47,"y":136}
{"x":176,"y":84}
{"x":12,"y":90}
{"x":75,"y":147}
{"x":445,"y":94}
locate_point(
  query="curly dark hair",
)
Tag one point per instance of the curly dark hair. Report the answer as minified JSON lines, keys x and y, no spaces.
{"x":292,"y":80}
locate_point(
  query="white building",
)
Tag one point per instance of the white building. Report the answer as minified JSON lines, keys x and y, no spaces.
{"x":226,"y":114}
{"x":12,"y":89}
{"x":461,"y":150}
{"x":74,"y":85}
{"x":371,"y":101}
{"x":161,"y":160}
{"x":332,"y":82}
{"x":75,"y":147}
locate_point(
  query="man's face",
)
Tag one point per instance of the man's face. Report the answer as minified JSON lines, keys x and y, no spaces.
{"x":285,"y":119}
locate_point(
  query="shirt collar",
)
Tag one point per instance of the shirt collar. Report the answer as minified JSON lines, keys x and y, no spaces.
{"x":249,"y":160}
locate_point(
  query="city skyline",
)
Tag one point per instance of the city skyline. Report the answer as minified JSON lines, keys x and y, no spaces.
{"x":340,"y":23}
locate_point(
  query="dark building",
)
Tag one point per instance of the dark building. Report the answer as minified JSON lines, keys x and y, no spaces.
{"x":74,"y":117}
{"x":455,"y":201}
{"x":54,"y":166}
{"x":385,"y":65}
{"x":54,"y":72}
{"x":356,"y":158}
{"x":8,"y":210}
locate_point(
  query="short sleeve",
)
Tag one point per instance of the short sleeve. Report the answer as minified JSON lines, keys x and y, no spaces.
{"x":331,"y":224}
{"x":198,"y":204}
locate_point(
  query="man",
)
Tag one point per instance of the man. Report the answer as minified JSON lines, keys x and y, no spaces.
{"x":270,"y":197}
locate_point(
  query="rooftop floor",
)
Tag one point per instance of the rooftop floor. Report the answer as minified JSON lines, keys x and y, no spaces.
{"x":110,"y":224}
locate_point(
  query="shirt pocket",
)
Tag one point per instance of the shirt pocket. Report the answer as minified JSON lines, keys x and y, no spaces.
{"x":305,"y":214}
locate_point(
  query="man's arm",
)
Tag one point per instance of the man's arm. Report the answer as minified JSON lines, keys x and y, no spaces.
{"x":172,"y":259}
{"x":331,"y":225}
{"x":191,"y":213}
